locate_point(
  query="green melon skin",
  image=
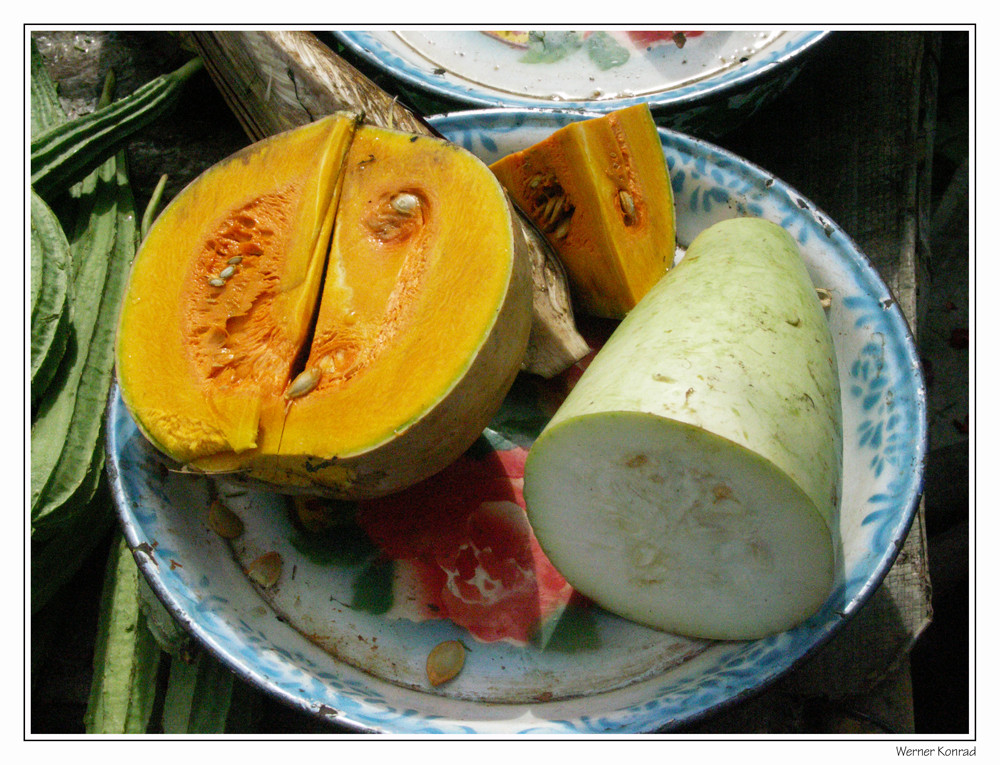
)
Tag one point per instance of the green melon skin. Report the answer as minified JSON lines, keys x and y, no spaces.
{"x":690,"y":480}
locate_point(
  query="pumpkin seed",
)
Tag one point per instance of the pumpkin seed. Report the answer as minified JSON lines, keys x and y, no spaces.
{"x":445,"y":661}
{"x":311,"y":513}
{"x":556,"y":209}
{"x":224,"y":521}
{"x":227,"y":272}
{"x":562,"y":230}
{"x":404,"y":203}
{"x":265,"y":570}
{"x":235,"y":260}
{"x":547,"y":210}
{"x":627,"y":203}
{"x":215,"y":281}
{"x":304,"y":383}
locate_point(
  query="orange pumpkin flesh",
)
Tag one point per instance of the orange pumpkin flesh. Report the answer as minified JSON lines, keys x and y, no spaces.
{"x":600,"y":192}
{"x":197,"y":363}
{"x":352,"y":368}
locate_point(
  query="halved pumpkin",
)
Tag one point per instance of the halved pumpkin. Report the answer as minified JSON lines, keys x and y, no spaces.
{"x":340,"y":309}
{"x":600,"y":191}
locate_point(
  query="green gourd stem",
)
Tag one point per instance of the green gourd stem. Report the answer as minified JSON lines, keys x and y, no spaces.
{"x":66,"y":153}
{"x":94,"y":240}
{"x":126,"y":656}
{"x":46,"y":109}
{"x":90,"y":247}
{"x":149,"y":215}
{"x":107,"y":96}
{"x":55,"y":561}
{"x":50,"y":258}
{"x":198,"y":696}
{"x":75,"y":474}
{"x":50,"y":290}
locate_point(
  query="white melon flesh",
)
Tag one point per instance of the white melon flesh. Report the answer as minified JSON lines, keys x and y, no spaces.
{"x":690,"y":480}
{"x":673,"y":527}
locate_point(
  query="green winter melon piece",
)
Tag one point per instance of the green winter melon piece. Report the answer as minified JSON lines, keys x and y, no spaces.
{"x":690,"y":480}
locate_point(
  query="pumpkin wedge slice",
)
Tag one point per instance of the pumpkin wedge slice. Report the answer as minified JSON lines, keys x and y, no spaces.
{"x":600,"y":191}
{"x":339,"y":309}
{"x":221,"y":293}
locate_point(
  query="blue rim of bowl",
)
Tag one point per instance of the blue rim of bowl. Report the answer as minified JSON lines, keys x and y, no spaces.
{"x":911,"y":488}
{"x":370,"y":49}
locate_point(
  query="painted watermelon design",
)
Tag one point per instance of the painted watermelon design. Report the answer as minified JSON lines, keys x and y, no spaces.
{"x":464,"y":550}
{"x":458,"y":545}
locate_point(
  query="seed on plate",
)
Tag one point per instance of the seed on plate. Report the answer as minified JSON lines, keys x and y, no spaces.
{"x":825,"y":297}
{"x":224,"y":521}
{"x":265,"y":570}
{"x":445,"y":661}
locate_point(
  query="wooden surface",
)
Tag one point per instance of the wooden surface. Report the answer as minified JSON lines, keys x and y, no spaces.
{"x":852,"y":134}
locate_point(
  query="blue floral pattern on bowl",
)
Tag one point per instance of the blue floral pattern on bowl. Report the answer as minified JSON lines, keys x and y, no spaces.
{"x":196,"y":575}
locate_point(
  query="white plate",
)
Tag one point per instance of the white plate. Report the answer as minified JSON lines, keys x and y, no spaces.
{"x":707,"y":84}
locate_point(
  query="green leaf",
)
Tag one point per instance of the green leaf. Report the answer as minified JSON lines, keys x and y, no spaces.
{"x":548,"y":47}
{"x":126,"y":655}
{"x":198,"y":696}
{"x":373,"y":587}
{"x":605,"y":51}
{"x":51,"y":288}
{"x":66,"y":435}
{"x":55,"y":561}
{"x":572,"y":630}
{"x":343,"y":544}
{"x":46,"y":109}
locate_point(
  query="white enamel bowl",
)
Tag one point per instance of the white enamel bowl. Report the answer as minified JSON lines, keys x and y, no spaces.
{"x":364,"y":672}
